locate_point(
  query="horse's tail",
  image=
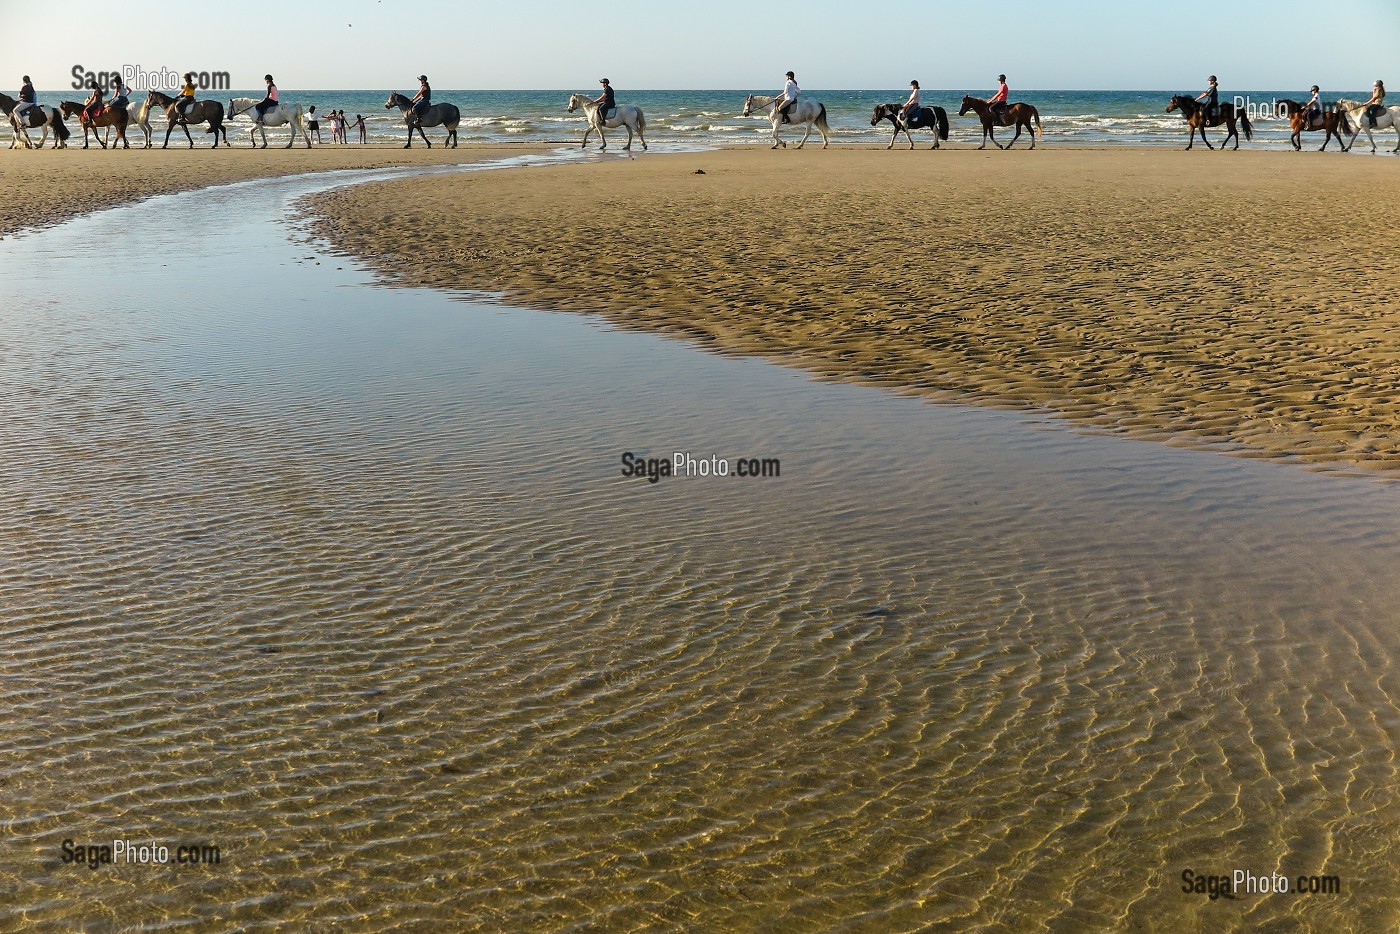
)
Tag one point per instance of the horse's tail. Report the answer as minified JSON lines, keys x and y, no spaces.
{"x":821,"y":117}
{"x":1244,"y":122}
{"x":942,"y":116}
{"x":1342,"y":114}
{"x":60,"y":129}
{"x":1038,"y":128}
{"x":641,"y":121}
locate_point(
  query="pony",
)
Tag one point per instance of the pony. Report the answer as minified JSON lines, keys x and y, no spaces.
{"x":1389,"y":117}
{"x":138,"y":113}
{"x":1196,"y":118}
{"x":1018,"y":114}
{"x":443,"y":115}
{"x":933,"y":118}
{"x":109,"y":117}
{"x":624,"y":115}
{"x":211,"y":112}
{"x":34,"y":118}
{"x":1333,"y":121}
{"x":810,"y":113}
{"x":276,"y":115}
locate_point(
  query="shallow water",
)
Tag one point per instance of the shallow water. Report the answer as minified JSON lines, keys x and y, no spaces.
{"x":346,"y":581}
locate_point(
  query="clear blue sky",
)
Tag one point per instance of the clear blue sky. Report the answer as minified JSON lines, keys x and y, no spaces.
{"x":370,"y":44}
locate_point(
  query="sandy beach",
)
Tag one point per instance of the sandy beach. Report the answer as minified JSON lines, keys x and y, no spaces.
{"x":58,"y":184}
{"x":1197,"y":296}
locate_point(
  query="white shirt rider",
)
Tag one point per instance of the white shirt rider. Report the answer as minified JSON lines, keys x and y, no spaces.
{"x":790,"y":91}
{"x":911,"y":106}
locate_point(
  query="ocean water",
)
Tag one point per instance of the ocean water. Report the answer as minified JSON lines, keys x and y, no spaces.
{"x":1082,"y":118}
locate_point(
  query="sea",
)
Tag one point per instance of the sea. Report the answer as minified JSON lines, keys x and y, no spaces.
{"x":713,"y":117}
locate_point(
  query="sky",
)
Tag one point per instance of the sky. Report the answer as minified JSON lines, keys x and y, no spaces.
{"x":720,"y":44}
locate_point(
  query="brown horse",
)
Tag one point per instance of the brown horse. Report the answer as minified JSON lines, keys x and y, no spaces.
{"x":1197,"y":119}
{"x":109,"y":117}
{"x":211,"y":112}
{"x":1332,"y":120}
{"x":1018,"y":115}
{"x":35,"y":117}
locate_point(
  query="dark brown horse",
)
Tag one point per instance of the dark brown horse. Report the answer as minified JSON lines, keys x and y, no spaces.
{"x":1197,"y":119}
{"x":109,"y":117}
{"x":931,"y":118}
{"x":210,"y":112}
{"x":35,"y":117}
{"x":1333,"y":120}
{"x":1018,"y":115}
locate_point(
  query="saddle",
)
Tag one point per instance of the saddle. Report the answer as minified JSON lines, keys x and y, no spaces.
{"x":1003,"y":115}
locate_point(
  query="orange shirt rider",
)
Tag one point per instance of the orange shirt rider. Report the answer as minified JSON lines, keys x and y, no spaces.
{"x":186,"y":97}
{"x":999,"y":99}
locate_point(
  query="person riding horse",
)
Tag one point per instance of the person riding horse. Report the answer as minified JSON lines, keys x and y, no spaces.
{"x":1211,"y":93}
{"x":186,"y":97}
{"x":268,"y":102}
{"x":1000,"y":100}
{"x":607,"y":101}
{"x":27,"y":99}
{"x":1376,"y":105}
{"x":788,"y":98}
{"x":422,"y":100}
{"x":92,"y":107}
{"x":910,"y":110}
{"x":1313,"y":108}
{"x":119,"y":94}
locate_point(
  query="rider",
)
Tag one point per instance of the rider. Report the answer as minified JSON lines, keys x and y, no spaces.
{"x":186,"y":98}
{"x":26,"y":98}
{"x":910,"y":110}
{"x":789,"y":97}
{"x":119,"y":92}
{"x":424,"y":98}
{"x":268,"y":102}
{"x":92,"y":107}
{"x":1376,"y":105}
{"x":606,"y":101}
{"x":999,"y":99}
{"x":1213,"y":95}
{"x":1313,"y":106}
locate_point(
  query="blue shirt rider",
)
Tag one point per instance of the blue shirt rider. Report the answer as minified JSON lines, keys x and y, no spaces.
{"x":424,"y":98}
{"x":607,"y":101}
{"x":27,"y":98}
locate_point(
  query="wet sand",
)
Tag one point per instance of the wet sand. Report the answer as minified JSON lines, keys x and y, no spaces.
{"x":1197,"y":296}
{"x":58,"y":184}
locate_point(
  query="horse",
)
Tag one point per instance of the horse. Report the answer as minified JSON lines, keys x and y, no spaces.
{"x":139,"y":113}
{"x":276,"y":115}
{"x":1333,"y":121}
{"x":1018,"y":115}
{"x":933,"y":118}
{"x":1389,"y":117}
{"x":109,"y":117}
{"x":1195,"y":114}
{"x":211,"y":112}
{"x":811,"y":113}
{"x":34,"y":118}
{"x":444,"y":115}
{"x":624,"y":115}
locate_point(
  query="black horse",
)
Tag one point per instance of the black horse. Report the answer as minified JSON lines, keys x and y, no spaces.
{"x":1198,"y":119}
{"x":930,"y":118}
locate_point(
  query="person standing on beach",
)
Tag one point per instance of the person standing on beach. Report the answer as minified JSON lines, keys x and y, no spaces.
{"x":1000,"y":98}
{"x":268,"y":102}
{"x":1211,"y":96}
{"x":424,"y":98}
{"x":313,"y":125}
{"x":911,"y":106}
{"x":788,"y":97}
{"x":27,"y":98}
{"x":360,"y":125}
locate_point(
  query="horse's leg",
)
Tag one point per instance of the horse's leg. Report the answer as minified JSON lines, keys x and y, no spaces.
{"x":1203,"y":137}
{"x":1016,"y":137}
{"x":169,"y":128}
{"x":992,"y":132}
{"x":426,"y":141}
{"x":805,"y":135}
{"x":409,"y":144}
{"x":1235,"y":133}
{"x":776,"y":142}
{"x":629,"y":137}
{"x":602,"y":136}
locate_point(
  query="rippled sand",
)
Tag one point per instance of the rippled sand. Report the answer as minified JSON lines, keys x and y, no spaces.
{"x":346,"y":580}
{"x":1150,"y":291}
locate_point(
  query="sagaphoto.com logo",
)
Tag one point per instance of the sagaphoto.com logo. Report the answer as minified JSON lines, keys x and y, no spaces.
{"x":141,"y":79}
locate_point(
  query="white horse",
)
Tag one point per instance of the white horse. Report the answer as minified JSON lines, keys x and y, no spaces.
{"x":276,"y":115}
{"x":623,"y":115}
{"x":809,"y":112}
{"x":51,"y":117}
{"x":138,"y":113}
{"x":1389,"y":117}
